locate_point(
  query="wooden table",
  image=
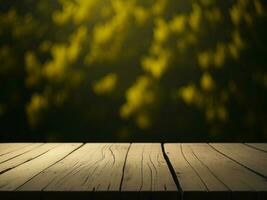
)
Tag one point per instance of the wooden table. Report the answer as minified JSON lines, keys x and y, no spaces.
{"x":133,"y":170}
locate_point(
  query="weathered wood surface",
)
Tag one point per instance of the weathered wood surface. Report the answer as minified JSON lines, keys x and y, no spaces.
{"x":147,"y":170}
{"x":248,"y":157}
{"x":258,"y":146}
{"x":136,"y":170}
{"x":16,"y":177}
{"x":89,"y":168}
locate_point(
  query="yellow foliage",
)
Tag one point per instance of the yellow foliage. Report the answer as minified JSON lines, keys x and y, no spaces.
{"x":152,"y":33}
{"x":45,"y":46}
{"x":235,"y":14}
{"x":33,"y":69}
{"x":64,"y":55}
{"x":219,"y":55}
{"x":207,"y":83}
{"x":37,"y":104}
{"x":62,"y":17}
{"x":234,"y":51}
{"x":258,"y":7}
{"x":188,"y":93}
{"x":108,"y":36}
{"x":158,"y":7}
{"x":236,"y":45}
{"x":195,"y":17}
{"x":56,"y":68}
{"x":141,"y":15}
{"x":161,"y":31}
{"x":105,"y":85}
{"x":103,"y":33}
{"x":237,"y":40}
{"x":204,"y":59}
{"x":76,"y":43}
{"x":31,"y":62}
{"x":84,"y":10}
{"x":177,"y":24}
{"x":78,"y":11}
{"x":138,"y":96}
{"x":157,"y":66}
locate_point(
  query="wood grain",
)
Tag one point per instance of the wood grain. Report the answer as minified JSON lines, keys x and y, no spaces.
{"x":147,"y":170}
{"x":249,"y":157}
{"x":232,"y":175}
{"x":188,"y":178}
{"x":201,"y":168}
{"x":14,"y":178}
{"x":33,"y":151}
{"x":259,"y":146}
{"x":133,"y":171}
{"x":94,"y":167}
{"x":9,"y":147}
{"x":11,"y":151}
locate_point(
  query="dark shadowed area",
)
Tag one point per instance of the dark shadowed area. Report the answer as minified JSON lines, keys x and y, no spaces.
{"x":135,"y":70}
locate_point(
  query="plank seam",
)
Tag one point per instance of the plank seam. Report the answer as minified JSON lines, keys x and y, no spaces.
{"x":172,"y":171}
{"x":210,"y":170}
{"x":253,"y":147}
{"x":259,"y":174}
{"x":21,"y":153}
{"x":50,"y":166}
{"x":15,"y":150}
{"x":124,"y":165}
{"x":194,"y":168}
{"x":1,"y":172}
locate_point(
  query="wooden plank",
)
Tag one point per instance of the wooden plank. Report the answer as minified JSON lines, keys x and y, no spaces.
{"x":220,"y":176}
{"x":6,"y":148}
{"x":188,"y":178}
{"x":208,"y":171}
{"x":259,"y":146}
{"x":211,"y":182}
{"x":196,"y":180}
{"x":20,"y":151}
{"x":14,"y":178}
{"x":93,"y":167}
{"x":147,"y":170}
{"x":33,"y":152}
{"x":249,"y":157}
{"x":242,"y":182}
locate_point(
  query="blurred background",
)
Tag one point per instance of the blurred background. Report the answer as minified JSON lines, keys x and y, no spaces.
{"x":133,"y":70}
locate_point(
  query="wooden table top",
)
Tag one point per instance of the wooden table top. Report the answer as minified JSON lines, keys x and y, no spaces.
{"x":133,"y":170}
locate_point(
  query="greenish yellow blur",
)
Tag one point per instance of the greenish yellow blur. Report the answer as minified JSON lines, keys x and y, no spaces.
{"x":177,"y":70}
